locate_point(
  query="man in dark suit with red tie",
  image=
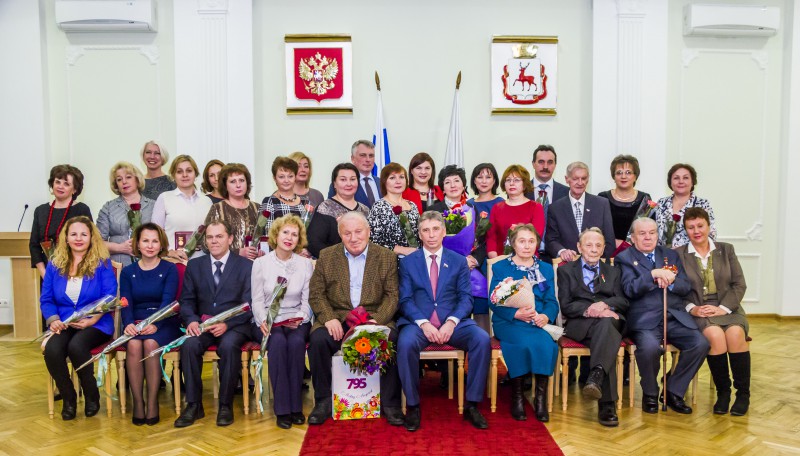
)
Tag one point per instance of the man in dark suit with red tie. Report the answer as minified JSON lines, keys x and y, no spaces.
{"x":435,"y":304}
{"x":213,"y":284}
{"x":647,"y":269}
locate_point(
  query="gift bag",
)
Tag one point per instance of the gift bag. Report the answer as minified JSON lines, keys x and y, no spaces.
{"x":355,"y":396}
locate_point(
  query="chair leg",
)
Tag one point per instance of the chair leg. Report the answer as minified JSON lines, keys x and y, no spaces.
{"x":460,"y":385}
{"x":255,"y":356}
{"x":694,"y":388}
{"x":109,"y":403}
{"x":246,"y":382}
{"x":215,"y":375}
{"x":550,"y":387}
{"x":493,"y":384}
{"x":123,"y":390}
{"x":557,"y":373}
{"x":619,"y":368}
{"x":631,"y":375}
{"x":76,"y":383}
{"x":564,"y":379}
{"x":449,"y":378}
{"x":51,"y":403}
{"x":403,"y":401}
{"x":176,"y":384}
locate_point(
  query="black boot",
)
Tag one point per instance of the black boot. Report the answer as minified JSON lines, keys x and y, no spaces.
{"x":740,"y":368}
{"x":718,"y":365}
{"x":540,"y":398}
{"x":518,"y":399}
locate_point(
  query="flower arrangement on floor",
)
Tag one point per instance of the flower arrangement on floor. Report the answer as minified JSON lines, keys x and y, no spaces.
{"x":368,"y":350}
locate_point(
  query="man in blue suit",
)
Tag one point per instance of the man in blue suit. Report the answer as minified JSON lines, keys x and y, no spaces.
{"x":647,"y":269}
{"x":362,"y":154}
{"x":435,"y":304}
{"x":213,"y":284}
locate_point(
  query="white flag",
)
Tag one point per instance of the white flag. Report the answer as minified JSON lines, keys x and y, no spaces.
{"x":380,"y":139}
{"x":455,"y":144}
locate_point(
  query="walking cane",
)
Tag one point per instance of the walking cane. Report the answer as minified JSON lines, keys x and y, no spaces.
{"x":664,"y":360}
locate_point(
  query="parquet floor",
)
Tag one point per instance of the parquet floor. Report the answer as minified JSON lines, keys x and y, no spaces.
{"x":771,"y":427}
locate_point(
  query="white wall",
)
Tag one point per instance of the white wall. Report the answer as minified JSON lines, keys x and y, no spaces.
{"x":418,"y":48}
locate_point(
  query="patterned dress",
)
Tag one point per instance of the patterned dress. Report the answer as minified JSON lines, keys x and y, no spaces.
{"x":664,"y":218}
{"x":158,"y":185}
{"x":113,"y":224}
{"x":242,"y":221}
{"x":278,"y":209}
{"x":385,"y":229}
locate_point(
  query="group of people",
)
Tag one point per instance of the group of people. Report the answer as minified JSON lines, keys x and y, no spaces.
{"x":382,"y":247}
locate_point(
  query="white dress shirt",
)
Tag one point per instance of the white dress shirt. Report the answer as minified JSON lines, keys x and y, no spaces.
{"x":704,"y":260}
{"x":372,"y":185}
{"x":549,"y":188}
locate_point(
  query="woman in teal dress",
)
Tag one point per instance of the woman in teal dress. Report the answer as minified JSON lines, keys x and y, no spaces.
{"x":527,"y":348}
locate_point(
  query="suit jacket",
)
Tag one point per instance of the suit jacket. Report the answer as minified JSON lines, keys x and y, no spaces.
{"x":200,"y":297}
{"x":575,"y":296}
{"x":329,"y":290}
{"x":562,"y":232}
{"x":728,"y":276}
{"x":56,"y":305}
{"x":646,"y":298}
{"x":361,"y":194}
{"x":453,"y":295}
{"x":559,"y":191}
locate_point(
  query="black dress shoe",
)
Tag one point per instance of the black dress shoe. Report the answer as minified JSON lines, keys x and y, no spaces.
{"x":225,"y":415}
{"x":677,"y":404}
{"x":138,"y":421}
{"x":152,"y":421}
{"x":193,"y":411}
{"x":475,"y":418}
{"x":69,"y":410}
{"x":607,"y":414}
{"x":298,"y":418}
{"x":91,"y":408}
{"x":394,"y":415}
{"x":594,"y":384}
{"x":649,"y":404}
{"x":284,"y":421}
{"x":412,"y":418}
{"x":321,"y":412}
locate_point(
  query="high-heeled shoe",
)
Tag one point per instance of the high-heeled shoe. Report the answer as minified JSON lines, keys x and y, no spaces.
{"x":138,"y":421}
{"x":152,"y":421}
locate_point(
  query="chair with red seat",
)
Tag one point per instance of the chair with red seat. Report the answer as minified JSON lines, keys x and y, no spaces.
{"x":449,"y":353}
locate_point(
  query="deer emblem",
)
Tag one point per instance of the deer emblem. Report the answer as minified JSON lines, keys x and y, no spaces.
{"x":523,"y":78}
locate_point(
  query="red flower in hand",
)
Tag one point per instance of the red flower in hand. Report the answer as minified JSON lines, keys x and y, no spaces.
{"x":484,"y":214}
{"x":247,"y":240}
{"x":397,"y":210}
{"x":652,"y":204}
{"x":676,"y":217}
{"x":266,"y":214}
{"x":123,"y":302}
{"x":201,"y":229}
{"x":136,"y":207}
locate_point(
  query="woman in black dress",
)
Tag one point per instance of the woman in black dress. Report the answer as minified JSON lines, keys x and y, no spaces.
{"x":66,"y":183}
{"x":624,"y":199}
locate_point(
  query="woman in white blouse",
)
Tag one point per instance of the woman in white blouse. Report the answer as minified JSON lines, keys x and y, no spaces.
{"x":181,"y":211}
{"x":289,"y":333}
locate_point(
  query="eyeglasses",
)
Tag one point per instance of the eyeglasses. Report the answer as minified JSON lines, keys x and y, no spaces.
{"x":621,"y":172}
{"x":513,"y":180}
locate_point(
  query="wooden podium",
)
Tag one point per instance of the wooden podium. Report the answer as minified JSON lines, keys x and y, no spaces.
{"x":25,"y":285}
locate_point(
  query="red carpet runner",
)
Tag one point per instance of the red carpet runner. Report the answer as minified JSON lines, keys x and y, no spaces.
{"x":442,"y":431}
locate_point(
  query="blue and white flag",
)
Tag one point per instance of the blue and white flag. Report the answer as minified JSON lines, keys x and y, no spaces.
{"x":380,"y":139}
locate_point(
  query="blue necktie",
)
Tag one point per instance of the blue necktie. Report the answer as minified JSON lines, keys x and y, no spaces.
{"x":217,"y":273}
{"x":594,"y":270}
{"x":652,"y":258}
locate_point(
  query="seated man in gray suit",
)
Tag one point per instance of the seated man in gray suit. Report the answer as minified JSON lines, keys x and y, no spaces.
{"x":647,"y":269}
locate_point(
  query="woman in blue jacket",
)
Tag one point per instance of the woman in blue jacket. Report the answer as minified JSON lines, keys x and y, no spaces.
{"x":79,"y":274}
{"x":527,"y":348}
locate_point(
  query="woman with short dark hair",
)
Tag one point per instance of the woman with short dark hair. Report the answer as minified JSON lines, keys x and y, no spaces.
{"x":484,"y":183}
{"x":420,"y":189}
{"x":284,"y":200}
{"x":625,"y":200}
{"x":681,"y":179}
{"x":236,"y":209}
{"x":516,"y":210}
{"x":66,"y":183}
{"x":385,"y":227}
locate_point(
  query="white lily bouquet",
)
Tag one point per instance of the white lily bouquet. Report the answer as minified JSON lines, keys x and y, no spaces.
{"x":519,"y":294}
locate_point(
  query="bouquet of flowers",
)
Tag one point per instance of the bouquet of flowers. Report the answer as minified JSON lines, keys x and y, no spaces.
{"x":461,"y":238}
{"x":191,"y":244}
{"x":213,"y":320}
{"x":273,"y":307}
{"x":102,"y":368}
{"x":368,"y":349}
{"x":103,"y":305}
{"x":455,"y":220}
{"x":405,"y":225}
{"x":672,"y":228}
{"x":519,"y":294}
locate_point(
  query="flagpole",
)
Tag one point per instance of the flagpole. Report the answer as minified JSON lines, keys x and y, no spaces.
{"x":454,"y":153}
{"x":378,"y":81}
{"x":458,"y":80}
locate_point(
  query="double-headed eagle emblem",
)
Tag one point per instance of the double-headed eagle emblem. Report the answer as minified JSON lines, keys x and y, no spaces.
{"x":318,"y":72}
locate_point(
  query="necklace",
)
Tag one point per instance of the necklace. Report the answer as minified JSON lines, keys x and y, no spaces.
{"x":50,"y":217}
{"x":286,"y":199}
{"x":620,"y":197}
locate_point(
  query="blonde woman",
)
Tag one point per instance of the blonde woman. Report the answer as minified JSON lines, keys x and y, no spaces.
{"x":155,"y":156}
{"x":79,"y":273}
{"x":302,"y":181}
{"x":127,"y":182}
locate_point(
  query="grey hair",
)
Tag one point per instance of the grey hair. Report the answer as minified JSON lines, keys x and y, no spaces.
{"x":431,"y":215}
{"x":352,"y":215}
{"x":361,"y":142}
{"x":577,"y":165}
{"x":592,"y":229}
{"x":641,"y":220}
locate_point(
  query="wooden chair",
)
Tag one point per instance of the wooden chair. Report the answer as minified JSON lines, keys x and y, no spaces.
{"x":449,"y":353}
{"x":497,"y":354}
{"x":631,"y":349}
{"x":568,"y":348}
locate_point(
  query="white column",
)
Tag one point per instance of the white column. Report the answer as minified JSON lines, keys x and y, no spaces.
{"x":788,"y":252}
{"x":214,"y":80}
{"x":629,"y":88}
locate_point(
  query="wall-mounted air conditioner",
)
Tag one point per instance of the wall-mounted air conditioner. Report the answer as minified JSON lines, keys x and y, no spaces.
{"x":106,"y":15}
{"x":730,"y":20}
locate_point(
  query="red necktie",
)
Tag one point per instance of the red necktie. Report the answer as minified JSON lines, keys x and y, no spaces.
{"x":434,"y":319}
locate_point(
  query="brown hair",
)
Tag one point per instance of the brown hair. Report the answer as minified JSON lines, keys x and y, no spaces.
{"x":512,"y":234}
{"x":61,"y":172}
{"x":277,"y":226}
{"x":283,"y":162}
{"x":545,"y":148}
{"x":520,"y":171}
{"x":622,"y":159}
{"x":390,"y":169}
{"x":225,"y":173}
{"x":694,"y":213}
{"x":419,"y":159}
{"x":162,"y":239}
{"x":173,"y":167}
{"x":685,"y":166}
{"x":206,"y":185}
